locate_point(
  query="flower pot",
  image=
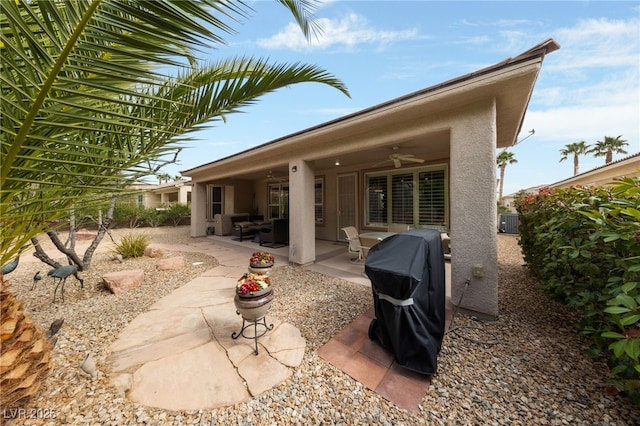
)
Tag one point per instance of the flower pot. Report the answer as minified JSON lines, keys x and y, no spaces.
{"x":254,"y":306}
{"x":260,"y":269}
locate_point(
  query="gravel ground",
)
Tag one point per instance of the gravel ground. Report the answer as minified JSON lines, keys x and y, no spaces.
{"x":528,"y":367}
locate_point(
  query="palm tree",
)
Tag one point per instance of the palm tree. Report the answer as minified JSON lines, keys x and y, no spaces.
{"x":608,"y":147}
{"x":95,"y":93}
{"x":88,"y":106}
{"x":575,"y":148}
{"x":503,"y":159}
{"x":163,"y":177}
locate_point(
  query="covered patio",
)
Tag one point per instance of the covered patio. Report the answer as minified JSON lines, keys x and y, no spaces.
{"x":426,"y":159}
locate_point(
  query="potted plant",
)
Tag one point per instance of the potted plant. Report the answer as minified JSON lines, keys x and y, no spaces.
{"x":252,"y":285}
{"x":253,"y":296}
{"x":261,"y":259}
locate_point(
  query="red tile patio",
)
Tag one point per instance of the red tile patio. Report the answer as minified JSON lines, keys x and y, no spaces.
{"x":368,"y":362}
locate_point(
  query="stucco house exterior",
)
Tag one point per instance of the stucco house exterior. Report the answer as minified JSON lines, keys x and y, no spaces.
{"x":346,"y":172}
{"x":163,"y":195}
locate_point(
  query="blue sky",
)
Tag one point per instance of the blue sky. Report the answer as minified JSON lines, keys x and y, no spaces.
{"x":588,"y":89}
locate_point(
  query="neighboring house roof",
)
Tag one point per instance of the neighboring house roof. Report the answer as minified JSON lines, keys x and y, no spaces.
{"x":467,"y":89}
{"x":161,"y":186}
{"x":625,"y":167}
{"x":530,"y":190}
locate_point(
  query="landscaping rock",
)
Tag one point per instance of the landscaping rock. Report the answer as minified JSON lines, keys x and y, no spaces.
{"x":171,"y":263}
{"x":121,"y":281}
{"x":154,"y":252}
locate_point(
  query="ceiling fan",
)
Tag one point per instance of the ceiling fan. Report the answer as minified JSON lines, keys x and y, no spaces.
{"x":273,"y":178}
{"x":398,"y":158}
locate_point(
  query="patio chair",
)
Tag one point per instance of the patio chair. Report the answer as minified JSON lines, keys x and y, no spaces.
{"x":446,"y":245}
{"x":354,"y":243}
{"x":277,"y":235}
{"x":398,"y":227}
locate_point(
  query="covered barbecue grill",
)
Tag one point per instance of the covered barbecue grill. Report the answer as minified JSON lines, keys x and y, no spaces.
{"x":408,"y":281}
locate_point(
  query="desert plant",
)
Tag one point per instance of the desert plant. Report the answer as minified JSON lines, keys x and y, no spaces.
{"x":25,"y":361}
{"x":131,"y":245}
{"x":96,"y":93}
{"x":85,"y":114}
{"x":130,"y":213}
{"x":153,"y":218}
{"x":176,"y":212}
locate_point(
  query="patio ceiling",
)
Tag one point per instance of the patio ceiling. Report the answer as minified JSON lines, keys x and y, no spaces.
{"x":431,"y":148}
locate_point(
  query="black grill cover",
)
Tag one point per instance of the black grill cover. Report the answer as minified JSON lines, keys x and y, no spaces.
{"x":408,"y":281}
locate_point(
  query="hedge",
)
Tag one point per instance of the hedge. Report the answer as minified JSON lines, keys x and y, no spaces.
{"x":583,"y":244}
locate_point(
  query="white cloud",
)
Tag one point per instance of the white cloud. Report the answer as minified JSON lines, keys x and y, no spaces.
{"x":591,"y":85}
{"x":350,"y":31}
{"x":598,"y":43}
{"x":575,"y":123}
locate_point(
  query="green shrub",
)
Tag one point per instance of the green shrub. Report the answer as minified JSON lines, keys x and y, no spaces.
{"x":176,"y":212}
{"x":132,"y":245}
{"x":130,"y":213}
{"x":584,"y":246}
{"x":150,"y":217}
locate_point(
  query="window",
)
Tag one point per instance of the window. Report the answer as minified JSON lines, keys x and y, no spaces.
{"x":278,"y":201}
{"x":319,"y":201}
{"x":376,"y":200}
{"x":416,"y":197}
{"x":215,"y":201}
{"x":432,"y":199}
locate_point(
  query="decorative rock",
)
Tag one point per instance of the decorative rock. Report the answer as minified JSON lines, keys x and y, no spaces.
{"x":171,"y":263}
{"x":122,"y":281}
{"x":154,"y":252}
{"x":89,"y":366}
{"x":536,"y":357}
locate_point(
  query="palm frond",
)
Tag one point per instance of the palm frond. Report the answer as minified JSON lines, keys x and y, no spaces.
{"x":87,"y":100}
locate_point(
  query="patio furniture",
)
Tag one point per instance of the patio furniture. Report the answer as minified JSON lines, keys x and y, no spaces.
{"x":370,"y":239}
{"x":397,"y":227}
{"x":277,"y":233}
{"x":245,"y":228}
{"x":223,"y":224}
{"x":446,"y":245}
{"x":354,"y":243}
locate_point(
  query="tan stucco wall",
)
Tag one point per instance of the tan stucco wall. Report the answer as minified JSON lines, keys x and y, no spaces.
{"x":199,"y":210}
{"x":472,"y":186}
{"x":301,"y":213}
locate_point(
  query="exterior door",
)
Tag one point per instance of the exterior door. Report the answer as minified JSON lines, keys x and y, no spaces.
{"x":347,"y":191}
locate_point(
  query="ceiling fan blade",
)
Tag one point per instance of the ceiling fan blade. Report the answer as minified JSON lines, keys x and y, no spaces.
{"x":413,"y":160}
